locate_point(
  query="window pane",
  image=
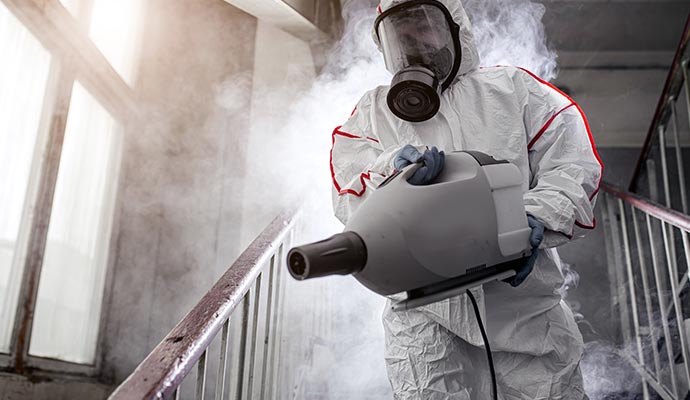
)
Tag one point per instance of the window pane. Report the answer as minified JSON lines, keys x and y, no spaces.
{"x":115,"y":27}
{"x":72,"y":279}
{"x":23,"y":75}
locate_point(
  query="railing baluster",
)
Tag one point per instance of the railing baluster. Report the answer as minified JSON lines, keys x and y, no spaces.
{"x":201,"y":377}
{"x":220,"y":387}
{"x":662,"y":305}
{"x":268,"y":328}
{"x":631,"y":288}
{"x":686,"y":250}
{"x":243,"y":346}
{"x":278,"y":384}
{"x":647,"y":299}
{"x":275,"y":337}
{"x":255,"y":327}
{"x":679,"y":157}
{"x":664,"y":165}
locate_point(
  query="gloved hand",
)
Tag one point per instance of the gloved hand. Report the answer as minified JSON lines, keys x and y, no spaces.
{"x":433,"y":163}
{"x":535,"y":239}
{"x":406,"y":156}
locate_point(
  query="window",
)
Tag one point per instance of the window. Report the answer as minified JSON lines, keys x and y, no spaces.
{"x":23,"y":76}
{"x":60,"y":148}
{"x":65,"y":326}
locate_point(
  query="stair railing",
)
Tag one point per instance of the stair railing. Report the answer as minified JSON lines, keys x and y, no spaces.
{"x":663,"y":145}
{"x":650,"y":290}
{"x":237,"y":327}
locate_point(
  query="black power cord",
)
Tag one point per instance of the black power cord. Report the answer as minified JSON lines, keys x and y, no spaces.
{"x":486,"y":343}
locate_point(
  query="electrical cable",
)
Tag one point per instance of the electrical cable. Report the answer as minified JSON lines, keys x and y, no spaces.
{"x":486,"y":343}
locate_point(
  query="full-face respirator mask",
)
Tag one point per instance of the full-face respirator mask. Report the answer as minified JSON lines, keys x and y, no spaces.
{"x":421,"y":47}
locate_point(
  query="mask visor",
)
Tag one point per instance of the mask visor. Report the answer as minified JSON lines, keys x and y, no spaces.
{"x":418,"y":36}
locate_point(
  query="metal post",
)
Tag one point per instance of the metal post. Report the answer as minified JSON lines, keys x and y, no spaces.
{"x":243,"y":346}
{"x":647,"y":299}
{"x":278,"y":384}
{"x":679,"y":158}
{"x":631,"y":288}
{"x":275,"y":337}
{"x":664,"y":165}
{"x":268,"y":328}
{"x":662,"y":305}
{"x":201,"y":377}
{"x":686,"y":248}
{"x":220,"y":388}
{"x":255,"y":327}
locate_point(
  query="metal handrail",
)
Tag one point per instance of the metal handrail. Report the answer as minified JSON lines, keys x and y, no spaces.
{"x":162,"y":372}
{"x":674,"y":80}
{"x":652,"y":208}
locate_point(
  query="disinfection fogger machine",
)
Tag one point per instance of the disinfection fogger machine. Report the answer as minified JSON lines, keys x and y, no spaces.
{"x":432,"y":242}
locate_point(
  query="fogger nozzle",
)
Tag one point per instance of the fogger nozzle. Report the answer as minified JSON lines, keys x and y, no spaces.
{"x":341,"y":254}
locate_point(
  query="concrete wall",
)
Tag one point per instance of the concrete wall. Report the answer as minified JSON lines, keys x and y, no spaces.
{"x":183,"y":173}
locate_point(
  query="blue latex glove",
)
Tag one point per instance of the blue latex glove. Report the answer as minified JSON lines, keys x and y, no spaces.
{"x":408,"y":155}
{"x":433,"y":163}
{"x":535,"y":239}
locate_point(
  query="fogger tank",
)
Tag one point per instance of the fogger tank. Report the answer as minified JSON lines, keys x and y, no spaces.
{"x":432,"y":242}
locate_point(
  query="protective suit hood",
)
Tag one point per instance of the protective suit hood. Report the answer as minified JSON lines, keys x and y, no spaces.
{"x":470,"y":55}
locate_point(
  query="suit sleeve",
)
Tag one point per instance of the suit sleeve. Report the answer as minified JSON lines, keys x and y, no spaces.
{"x":565,"y":167}
{"x":359,"y":161}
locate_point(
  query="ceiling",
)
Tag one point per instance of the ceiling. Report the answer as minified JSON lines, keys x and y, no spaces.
{"x":615,"y":25}
{"x":614,"y":57}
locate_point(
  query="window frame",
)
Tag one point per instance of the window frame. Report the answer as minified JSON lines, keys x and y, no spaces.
{"x":74,"y":57}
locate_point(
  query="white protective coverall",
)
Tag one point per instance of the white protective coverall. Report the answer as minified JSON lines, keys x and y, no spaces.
{"x":436,"y":351}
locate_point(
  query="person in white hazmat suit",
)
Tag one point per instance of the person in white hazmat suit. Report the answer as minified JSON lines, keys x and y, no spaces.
{"x":436,"y":351}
